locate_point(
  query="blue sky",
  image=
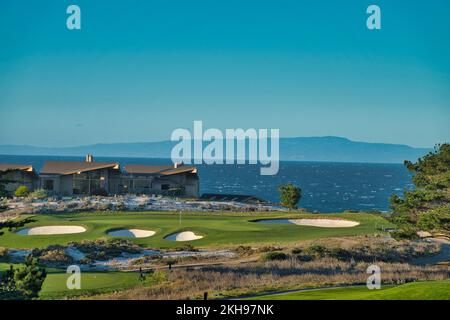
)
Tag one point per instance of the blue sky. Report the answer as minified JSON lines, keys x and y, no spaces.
{"x":139,"y":69}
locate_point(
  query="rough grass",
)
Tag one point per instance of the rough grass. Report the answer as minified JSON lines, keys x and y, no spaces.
{"x":218,"y":229}
{"x":256,"y":278}
{"x":432,"y":290}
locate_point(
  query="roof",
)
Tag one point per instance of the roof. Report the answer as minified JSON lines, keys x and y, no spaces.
{"x":72,"y":167}
{"x":161,"y":170}
{"x":178,"y":170}
{"x":15,"y":166}
{"x":139,"y":168}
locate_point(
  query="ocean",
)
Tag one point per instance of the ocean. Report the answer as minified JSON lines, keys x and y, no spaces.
{"x":326,"y":186}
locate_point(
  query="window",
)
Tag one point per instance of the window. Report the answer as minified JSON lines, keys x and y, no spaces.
{"x":141,"y":184}
{"x":80,"y":186}
{"x":48,"y":185}
{"x":165,"y":186}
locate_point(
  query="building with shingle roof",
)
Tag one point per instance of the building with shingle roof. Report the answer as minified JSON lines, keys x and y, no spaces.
{"x":15,"y":175}
{"x":90,"y":177}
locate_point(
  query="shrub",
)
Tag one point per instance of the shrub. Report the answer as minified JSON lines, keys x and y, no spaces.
{"x":54,"y":254}
{"x":275,"y":256}
{"x":39,"y":194}
{"x":317,"y":250}
{"x":186,"y":247}
{"x":22,"y":191}
{"x":176,"y":191}
{"x":120,"y":206}
{"x":3,"y":205}
{"x":406,"y":232}
{"x":100,"y":192}
{"x":244,"y":250}
{"x":102,"y":249}
{"x":3,"y":253}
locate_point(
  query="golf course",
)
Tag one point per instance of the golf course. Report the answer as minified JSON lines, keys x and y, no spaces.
{"x":214,"y":229}
{"x":261,"y":234}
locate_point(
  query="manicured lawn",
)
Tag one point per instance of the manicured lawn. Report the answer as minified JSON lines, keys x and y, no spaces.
{"x":218,"y":229}
{"x":91,"y":283}
{"x":431,"y":290}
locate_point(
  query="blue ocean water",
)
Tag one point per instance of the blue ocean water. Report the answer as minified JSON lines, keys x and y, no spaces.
{"x":326,"y":186}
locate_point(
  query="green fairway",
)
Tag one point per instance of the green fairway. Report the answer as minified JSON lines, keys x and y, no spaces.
{"x":432,"y":290}
{"x":218,"y":229}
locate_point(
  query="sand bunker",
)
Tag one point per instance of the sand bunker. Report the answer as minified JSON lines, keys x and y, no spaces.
{"x":51,"y":230}
{"x":131,"y":233}
{"x":321,"y":223}
{"x":183,"y":236}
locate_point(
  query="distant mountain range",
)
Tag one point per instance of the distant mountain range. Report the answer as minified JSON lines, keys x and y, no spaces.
{"x":332,"y":149}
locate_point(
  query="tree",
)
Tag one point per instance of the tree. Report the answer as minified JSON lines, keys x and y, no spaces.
{"x":427,"y":207}
{"x":22,"y":283}
{"x":29,"y":280}
{"x":4,"y":181}
{"x":290,"y":195}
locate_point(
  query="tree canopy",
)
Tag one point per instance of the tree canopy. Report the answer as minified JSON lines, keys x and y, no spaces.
{"x":290,"y":195}
{"x":427,"y":207}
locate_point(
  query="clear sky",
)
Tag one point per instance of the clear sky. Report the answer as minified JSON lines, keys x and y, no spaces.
{"x":139,"y":69}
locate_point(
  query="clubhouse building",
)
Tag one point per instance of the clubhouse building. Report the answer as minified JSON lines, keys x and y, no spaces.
{"x":66,"y":178}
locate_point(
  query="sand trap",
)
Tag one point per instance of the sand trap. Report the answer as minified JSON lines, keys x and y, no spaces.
{"x":51,"y":230}
{"x":321,"y":223}
{"x":131,"y":233}
{"x":183,"y":236}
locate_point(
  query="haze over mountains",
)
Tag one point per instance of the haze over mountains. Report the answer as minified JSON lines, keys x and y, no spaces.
{"x":332,"y":149}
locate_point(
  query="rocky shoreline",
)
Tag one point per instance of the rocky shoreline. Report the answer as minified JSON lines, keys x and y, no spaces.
{"x":16,"y":205}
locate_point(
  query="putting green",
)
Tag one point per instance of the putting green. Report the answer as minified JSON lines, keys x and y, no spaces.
{"x":218,"y":229}
{"x":430,"y":290}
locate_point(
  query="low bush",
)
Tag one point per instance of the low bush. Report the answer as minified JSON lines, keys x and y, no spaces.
{"x":52,"y":255}
{"x":100,"y":192}
{"x":3,"y":253}
{"x":275,"y":256}
{"x":3,"y":205}
{"x":405,"y":232}
{"x":39,"y":194}
{"x":22,"y":191}
{"x":102,"y":249}
{"x":244,"y":250}
{"x":318,"y":251}
{"x":186,"y":247}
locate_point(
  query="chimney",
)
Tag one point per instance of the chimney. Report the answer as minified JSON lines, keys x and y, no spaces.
{"x":89,"y":158}
{"x":178,"y":164}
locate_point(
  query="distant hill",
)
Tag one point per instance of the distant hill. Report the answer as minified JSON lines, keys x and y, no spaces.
{"x":332,"y":149}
